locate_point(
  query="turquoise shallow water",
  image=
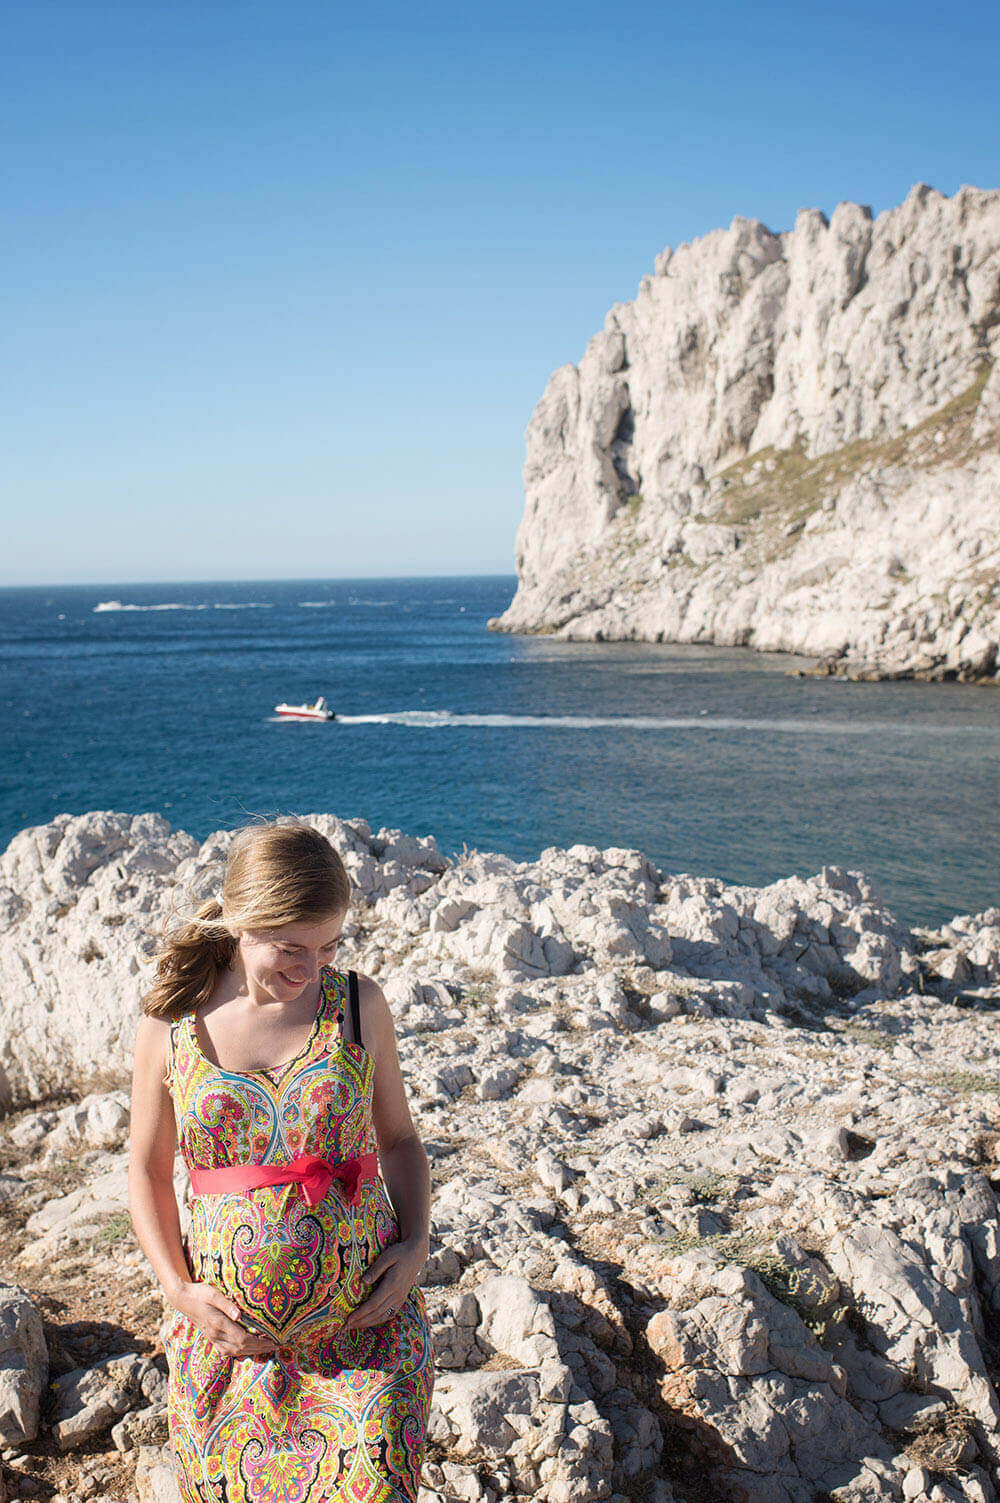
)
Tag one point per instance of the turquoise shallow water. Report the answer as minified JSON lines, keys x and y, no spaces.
{"x":711,"y":760}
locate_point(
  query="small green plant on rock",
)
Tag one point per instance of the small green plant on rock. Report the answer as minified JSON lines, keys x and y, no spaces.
{"x":863,"y":1033}
{"x":965,"y":1082}
{"x":813,"y":1301}
{"x":479,"y":993}
{"x":735,"y":1247}
{"x":116,"y":1228}
{"x":706,"y":1185}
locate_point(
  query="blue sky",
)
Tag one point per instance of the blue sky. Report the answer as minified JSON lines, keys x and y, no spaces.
{"x":283,"y":280}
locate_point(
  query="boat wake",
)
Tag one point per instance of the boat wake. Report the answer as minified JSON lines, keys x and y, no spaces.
{"x":122,"y":605}
{"x":177,"y":605}
{"x":803,"y":725}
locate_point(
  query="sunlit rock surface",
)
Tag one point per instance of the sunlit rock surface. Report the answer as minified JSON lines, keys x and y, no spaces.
{"x":713,"y":1170}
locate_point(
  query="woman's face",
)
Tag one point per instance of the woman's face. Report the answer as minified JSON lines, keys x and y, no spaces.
{"x":283,"y":962}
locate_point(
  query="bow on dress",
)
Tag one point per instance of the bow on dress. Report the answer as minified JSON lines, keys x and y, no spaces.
{"x":315,"y":1174}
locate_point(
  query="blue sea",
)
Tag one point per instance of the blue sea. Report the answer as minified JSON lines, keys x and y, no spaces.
{"x":712,"y":760}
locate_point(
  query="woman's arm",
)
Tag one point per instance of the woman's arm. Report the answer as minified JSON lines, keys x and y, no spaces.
{"x":152,"y":1143}
{"x":153,"y":1204}
{"x":404,"y":1167}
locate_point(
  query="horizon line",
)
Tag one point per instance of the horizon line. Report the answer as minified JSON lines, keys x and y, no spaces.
{"x":121,"y":584}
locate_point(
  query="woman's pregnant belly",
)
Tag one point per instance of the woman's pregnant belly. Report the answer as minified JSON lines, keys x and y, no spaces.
{"x":290,"y":1267}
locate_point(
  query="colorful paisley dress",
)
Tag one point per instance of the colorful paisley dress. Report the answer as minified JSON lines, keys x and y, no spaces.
{"x":332,"y":1416}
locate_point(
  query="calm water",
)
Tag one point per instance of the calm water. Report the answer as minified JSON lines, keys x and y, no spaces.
{"x":711,"y":760}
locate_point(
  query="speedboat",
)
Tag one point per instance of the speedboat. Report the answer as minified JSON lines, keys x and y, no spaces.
{"x":318,"y":710}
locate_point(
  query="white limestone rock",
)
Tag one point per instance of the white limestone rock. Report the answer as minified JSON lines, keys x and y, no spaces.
{"x":967,"y":950}
{"x":806,"y":939}
{"x":82,"y":1213}
{"x":100,"y":1120}
{"x":453,"y":1320}
{"x":472,"y":1409}
{"x":88,"y":1401}
{"x":516,"y":1320}
{"x":647,"y":1103}
{"x":915,"y":1321}
{"x":554,"y":1444}
{"x":746,"y":1368}
{"x":155,"y":1475}
{"x":24,"y":1365}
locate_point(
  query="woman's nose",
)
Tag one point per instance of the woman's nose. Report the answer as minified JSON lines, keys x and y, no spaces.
{"x":306,"y":967}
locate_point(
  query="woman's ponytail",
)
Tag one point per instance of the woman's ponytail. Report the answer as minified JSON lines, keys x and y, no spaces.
{"x":189,"y":963}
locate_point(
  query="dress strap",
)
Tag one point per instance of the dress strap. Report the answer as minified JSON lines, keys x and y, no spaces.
{"x":168,"y":1079}
{"x":352,"y":982}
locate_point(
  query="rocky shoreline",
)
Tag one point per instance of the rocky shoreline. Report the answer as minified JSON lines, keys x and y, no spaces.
{"x":715,"y":1172}
{"x":789,"y":442}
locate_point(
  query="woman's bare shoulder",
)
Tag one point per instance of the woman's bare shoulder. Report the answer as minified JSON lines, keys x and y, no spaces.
{"x":155,"y":1027}
{"x":152,"y":1037}
{"x":370,"y":993}
{"x":368,"y":986}
{"x":376,"y":1015}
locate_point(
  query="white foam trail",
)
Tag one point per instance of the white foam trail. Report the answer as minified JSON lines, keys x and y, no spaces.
{"x":445,"y":719}
{"x":243,"y":605}
{"x":170,"y":605}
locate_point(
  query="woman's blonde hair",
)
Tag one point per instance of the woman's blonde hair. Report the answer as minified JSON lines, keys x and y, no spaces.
{"x":275,"y":874}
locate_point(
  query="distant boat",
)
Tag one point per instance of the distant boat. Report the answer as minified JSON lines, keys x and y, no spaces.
{"x":318,"y":710}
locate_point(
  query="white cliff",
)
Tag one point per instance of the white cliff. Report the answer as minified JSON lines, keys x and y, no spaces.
{"x":789,"y":442}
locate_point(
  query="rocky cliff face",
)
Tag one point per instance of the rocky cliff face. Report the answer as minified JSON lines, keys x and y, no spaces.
{"x":789,"y":442}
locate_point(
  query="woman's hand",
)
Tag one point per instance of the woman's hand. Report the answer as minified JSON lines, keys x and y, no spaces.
{"x":217,"y":1317}
{"x":390,"y":1278}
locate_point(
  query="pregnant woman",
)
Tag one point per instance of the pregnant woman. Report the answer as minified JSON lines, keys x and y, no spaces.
{"x":299,"y":1357}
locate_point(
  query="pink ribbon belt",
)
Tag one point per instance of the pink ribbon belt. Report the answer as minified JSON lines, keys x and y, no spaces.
{"x":315,"y":1174}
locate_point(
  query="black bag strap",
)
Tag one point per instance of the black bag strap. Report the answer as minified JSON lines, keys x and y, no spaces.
{"x":352,"y":982}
